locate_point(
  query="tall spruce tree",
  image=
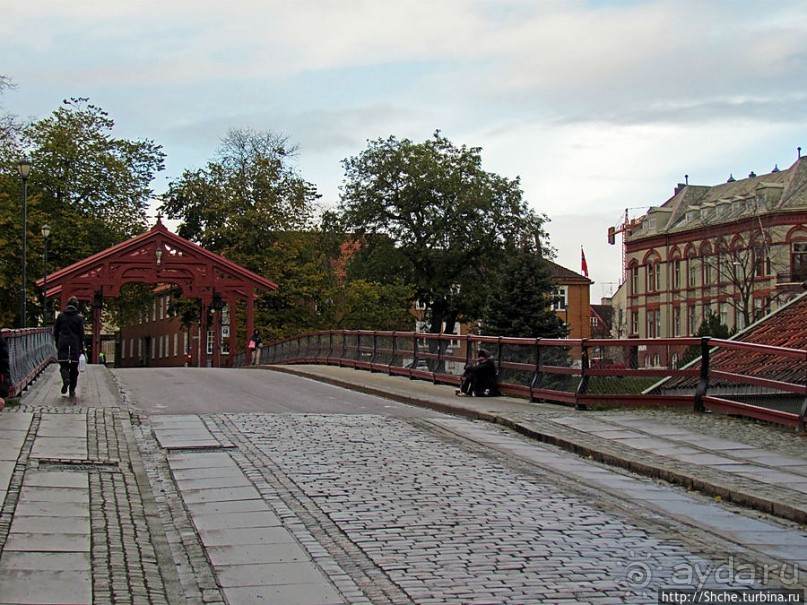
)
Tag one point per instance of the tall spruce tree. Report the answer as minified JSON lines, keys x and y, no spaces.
{"x":519,"y":303}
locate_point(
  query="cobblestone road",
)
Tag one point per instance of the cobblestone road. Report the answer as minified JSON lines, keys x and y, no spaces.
{"x":449,"y":524}
{"x":363,"y":509}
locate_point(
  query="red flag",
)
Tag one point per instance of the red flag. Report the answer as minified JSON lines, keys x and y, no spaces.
{"x":583,"y":263}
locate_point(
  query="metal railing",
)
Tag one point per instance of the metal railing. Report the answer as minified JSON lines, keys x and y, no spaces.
{"x":30,"y":350}
{"x":744,"y":379}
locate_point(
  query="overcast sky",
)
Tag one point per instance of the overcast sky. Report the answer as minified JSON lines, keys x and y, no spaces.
{"x":598,"y":106}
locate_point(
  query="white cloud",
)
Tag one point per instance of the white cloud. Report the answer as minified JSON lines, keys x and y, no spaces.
{"x":598,"y":105}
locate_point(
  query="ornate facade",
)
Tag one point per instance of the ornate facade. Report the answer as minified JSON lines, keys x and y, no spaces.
{"x":737,"y":250}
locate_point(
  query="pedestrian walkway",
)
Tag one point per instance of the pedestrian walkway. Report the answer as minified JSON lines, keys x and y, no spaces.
{"x":755,"y":465}
{"x":74,"y":524}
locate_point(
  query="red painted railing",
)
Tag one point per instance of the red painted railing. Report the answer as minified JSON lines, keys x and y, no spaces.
{"x":30,"y":350}
{"x":739,"y":378}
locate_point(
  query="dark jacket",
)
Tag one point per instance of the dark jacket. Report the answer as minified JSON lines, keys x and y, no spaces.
{"x":486,"y":380}
{"x":481,"y":379}
{"x":69,"y":334}
{"x":5,"y":368}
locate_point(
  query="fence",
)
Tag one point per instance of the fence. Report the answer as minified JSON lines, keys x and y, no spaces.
{"x":30,"y":350}
{"x":755,"y":381}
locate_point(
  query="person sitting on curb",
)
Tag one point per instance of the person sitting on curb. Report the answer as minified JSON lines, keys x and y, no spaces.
{"x":480,"y":379}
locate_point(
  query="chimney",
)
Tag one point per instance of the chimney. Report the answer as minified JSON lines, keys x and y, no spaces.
{"x":751,"y":174}
{"x":731,"y":179}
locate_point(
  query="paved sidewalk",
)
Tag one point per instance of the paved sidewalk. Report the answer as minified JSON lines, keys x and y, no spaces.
{"x":74,"y":523}
{"x":759,"y":466}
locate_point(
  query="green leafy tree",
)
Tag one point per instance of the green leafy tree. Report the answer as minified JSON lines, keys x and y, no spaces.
{"x":239,"y":203}
{"x":250,"y":205}
{"x":363,"y":305}
{"x":89,"y":186}
{"x":447,"y":217}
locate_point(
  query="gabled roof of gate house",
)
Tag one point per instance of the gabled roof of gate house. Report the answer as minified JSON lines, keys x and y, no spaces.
{"x":171,"y":243}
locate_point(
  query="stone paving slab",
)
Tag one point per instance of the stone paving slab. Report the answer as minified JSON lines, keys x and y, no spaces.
{"x":46,"y":587}
{"x":239,"y":521}
{"x":250,"y":554}
{"x":284,"y":594}
{"x":246,"y":536}
{"x":46,"y":561}
{"x":182,"y":432}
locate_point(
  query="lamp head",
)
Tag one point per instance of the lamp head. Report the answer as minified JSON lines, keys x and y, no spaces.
{"x":46,"y":230}
{"x":24,"y":166}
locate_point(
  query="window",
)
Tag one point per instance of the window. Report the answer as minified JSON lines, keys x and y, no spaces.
{"x":634,"y":322}
{"x":162,"y":307}
{"x":176,"y":344}
{"x":707,"y":271}
{"x":762,"y":306}
{"x":692,"y":319}
{"x":154,"y":311}
{"x":593,"y":321}
{"x":651,"y":324}
{"x":798,"y":262}
{"x":210,"y":342}
{"x":762,"y":261}
{"x":654,"y":323}
{"x":724,"y":313}
{"x":651,"y":277}
{"x":677,"y":274}
{"x":693,"y":272}
{"x":634,"y":280}
{"x":676,"y":321}
{"x":676,"y":360}
{"x":558,"y":298}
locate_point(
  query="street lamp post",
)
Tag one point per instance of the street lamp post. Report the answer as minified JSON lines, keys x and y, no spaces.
{"x":24,"y":166}
{"x":46,"y":235}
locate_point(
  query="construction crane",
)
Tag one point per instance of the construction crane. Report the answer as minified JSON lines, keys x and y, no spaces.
{"x":624,"y":224}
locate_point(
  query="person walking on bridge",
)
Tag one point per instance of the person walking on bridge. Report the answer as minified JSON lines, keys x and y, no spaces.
{"x":69,"y":333}
{"x":254,"y":346}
